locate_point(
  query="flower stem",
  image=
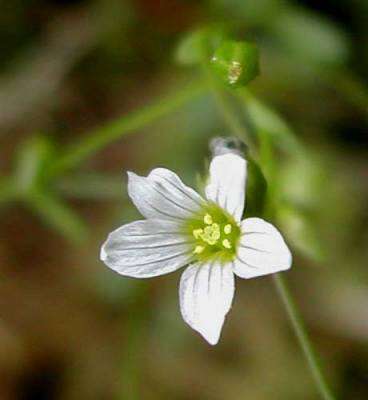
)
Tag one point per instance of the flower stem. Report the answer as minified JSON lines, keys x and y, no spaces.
{"x":101,"y":137}
{"x":303,"y":337}
{"x":221,"y":99}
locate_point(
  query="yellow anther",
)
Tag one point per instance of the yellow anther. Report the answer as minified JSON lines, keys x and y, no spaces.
{"x":208,"y":219}
{"x":227,"y":229}
{"x":197,"y":233}
{"x":198,"y":249}
{"x":226,"y":243}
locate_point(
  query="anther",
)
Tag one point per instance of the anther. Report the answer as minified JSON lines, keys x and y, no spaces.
{"x":197,"y":233}
{"x":208,"y":219}
{"x":227,"y":229}
{"x":198,"y":249}
{"x":226,"y":243}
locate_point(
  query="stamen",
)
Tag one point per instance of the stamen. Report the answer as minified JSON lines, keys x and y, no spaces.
{"x":208,"y":219}
{"x":198,"y":249}
{"x":215,"y":234}
{"x":197,"y":233}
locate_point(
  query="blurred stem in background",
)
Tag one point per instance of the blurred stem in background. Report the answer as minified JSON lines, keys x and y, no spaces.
{"x":300,"y":330}
{"x":114,"y":130}
{"x":267,"y":159}
{"x":91,"y":186}
{"x":136,"y":333}
{"x":270,"y":170}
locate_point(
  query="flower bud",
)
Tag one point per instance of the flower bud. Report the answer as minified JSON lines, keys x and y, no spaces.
{"x":224,"y":145}
{"x":236,"y":63}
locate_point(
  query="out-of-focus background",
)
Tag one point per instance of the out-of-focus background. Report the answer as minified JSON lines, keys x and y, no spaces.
{"x":72,"y":329}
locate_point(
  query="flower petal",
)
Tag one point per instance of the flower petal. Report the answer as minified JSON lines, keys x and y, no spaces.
{"x":226,"y":187}
{"x":148,"y":248}
{"x":262,"y":250}
{"x":163,"y":195}
{"x":206,"y":293}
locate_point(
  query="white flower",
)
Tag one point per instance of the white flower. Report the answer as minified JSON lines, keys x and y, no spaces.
{"x":181,"y":228}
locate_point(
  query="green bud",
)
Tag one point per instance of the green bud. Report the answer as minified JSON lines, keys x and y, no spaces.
{"x":236,"y":63}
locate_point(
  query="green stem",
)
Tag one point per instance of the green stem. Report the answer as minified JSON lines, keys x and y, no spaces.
{"x":114,"y":130}
{"x":229,"y":117}
{"x":221,"y":100}
{"x":303,"y":338}
{"x":136,"y":333}
{"x":91,"y":186}
{"x":295,"y":318}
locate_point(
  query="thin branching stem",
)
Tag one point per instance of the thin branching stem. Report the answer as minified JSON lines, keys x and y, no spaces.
{"x":107,"y":134}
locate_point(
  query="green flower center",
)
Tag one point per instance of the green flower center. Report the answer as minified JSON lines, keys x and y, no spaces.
{"x":215,"y":233}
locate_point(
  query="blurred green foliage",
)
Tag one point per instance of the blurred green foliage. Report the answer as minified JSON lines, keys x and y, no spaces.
{"x":87,"y":73}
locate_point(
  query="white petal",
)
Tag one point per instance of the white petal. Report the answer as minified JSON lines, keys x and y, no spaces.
{"x":144,"y":249}
{"x":226,"y":187}
{"x":206,"y":293}
{"x":163,"y":195}
{"x":262,"y":250}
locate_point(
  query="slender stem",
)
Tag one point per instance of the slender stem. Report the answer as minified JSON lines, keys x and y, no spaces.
{"x":229,"y":117}
{"x":91,"y":186}
{"x":135,"y":333}
{"x":295,"y":318}
{"x":303,"y":337}
{"x":101,"y":137}
{"x":221,"y":100}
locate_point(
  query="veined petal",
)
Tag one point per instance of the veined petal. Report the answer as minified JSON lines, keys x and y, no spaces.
{"x":176,"y":187}
{"x":163,"y":195}
{"x":261,"y":251}
{"x":206,"y":293}
{"x":148,"y":248}
{"x":226,"y":187}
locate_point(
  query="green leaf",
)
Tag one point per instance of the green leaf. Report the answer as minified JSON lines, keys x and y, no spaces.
{"x":248,"y":12}
{"x":310,"y":38}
